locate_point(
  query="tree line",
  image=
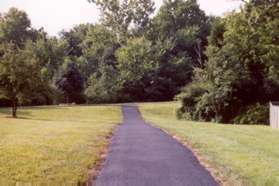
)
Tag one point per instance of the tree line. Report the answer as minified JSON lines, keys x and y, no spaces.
{"x":222,"y":69}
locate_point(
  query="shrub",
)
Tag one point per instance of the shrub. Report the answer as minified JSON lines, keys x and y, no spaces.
{"x":254,"y":114}
{"x":190,"y":96}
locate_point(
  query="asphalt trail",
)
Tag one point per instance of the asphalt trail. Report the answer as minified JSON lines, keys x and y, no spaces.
{"x":141,"y":155}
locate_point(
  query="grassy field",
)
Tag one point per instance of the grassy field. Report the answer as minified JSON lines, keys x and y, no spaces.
{"x":242,"y":155}
{"x":54,"y":145}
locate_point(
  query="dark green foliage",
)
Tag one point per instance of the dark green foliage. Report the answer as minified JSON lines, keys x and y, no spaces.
{"x":74,"y":38}
{"x":254,"y":114}
{"x":216,"y":37}
{"x":190,"y":96}
{"x":103,"y":89}
{"x":179,"y":32}
{"x":71,"y":83}
{"x":242,"y":67}
{"x":229,"y":65}
{"x":181,"y":26}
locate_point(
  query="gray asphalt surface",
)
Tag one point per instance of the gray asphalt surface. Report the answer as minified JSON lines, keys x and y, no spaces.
{"x":141,"y":155}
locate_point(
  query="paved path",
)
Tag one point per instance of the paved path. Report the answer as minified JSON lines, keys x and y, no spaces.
{"x":141,"y":155}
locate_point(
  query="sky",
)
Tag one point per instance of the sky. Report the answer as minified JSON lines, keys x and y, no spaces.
{"x":55,"y":15}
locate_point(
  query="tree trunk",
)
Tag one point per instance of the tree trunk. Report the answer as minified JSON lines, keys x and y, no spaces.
{"x":14,"y":108}
{"x":198,"y":52}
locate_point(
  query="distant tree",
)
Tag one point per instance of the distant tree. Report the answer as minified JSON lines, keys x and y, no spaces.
{"x":122,"y":16}
{"x":135,"y":58}
{"x":104,"y":88}
{"x":98,"y":48}
{"x":216,"y":37}
{"x":178,"y":33}
{"x":74,"y":38}
{"x":50,"y":53}
{"x":181,"y":26}
{"x":71,"y":83}
{"x":99,"y":64}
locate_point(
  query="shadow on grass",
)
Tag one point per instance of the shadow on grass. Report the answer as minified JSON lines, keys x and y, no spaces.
{"x":7,"y":112}
{"x":26,"y":112}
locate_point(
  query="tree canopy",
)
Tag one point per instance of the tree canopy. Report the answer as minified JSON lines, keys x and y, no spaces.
{"x":223,"y":69}
{"x":241,"y":72}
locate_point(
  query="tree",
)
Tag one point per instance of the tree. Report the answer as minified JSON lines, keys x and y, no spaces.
{"x":19,"y":66}
{"x":98,"y":43}
{"x":19,"y":74}
{"x":50,"y":53}
{"x":105,"y":87}
{"x":71,"y":83}
{"x":121,"y":16}
{"x":183,"y":27}
{"x":179,"y":33}
{"x":15,"y":27}
{"x":242,"y":67}
{"x":135,"y":60}
{"x":74,"y":38}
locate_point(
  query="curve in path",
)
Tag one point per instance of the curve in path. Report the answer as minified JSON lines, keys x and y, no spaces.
{"x":141,"y":155}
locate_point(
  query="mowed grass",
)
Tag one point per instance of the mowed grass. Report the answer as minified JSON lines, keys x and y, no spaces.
{"x":54,"y":145}
{"x":242,"y":155}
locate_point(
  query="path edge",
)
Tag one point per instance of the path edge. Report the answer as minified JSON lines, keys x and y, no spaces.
{"x":214,"y":172}
{"x":96,"y":170}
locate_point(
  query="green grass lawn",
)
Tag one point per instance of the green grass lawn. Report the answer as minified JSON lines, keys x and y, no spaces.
{"x":54,"y":145}
{"x":242,"y":155}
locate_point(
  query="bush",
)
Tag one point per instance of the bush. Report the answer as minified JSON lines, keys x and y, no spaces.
{"x":189,"y":97}
{"x":254,"y":114}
